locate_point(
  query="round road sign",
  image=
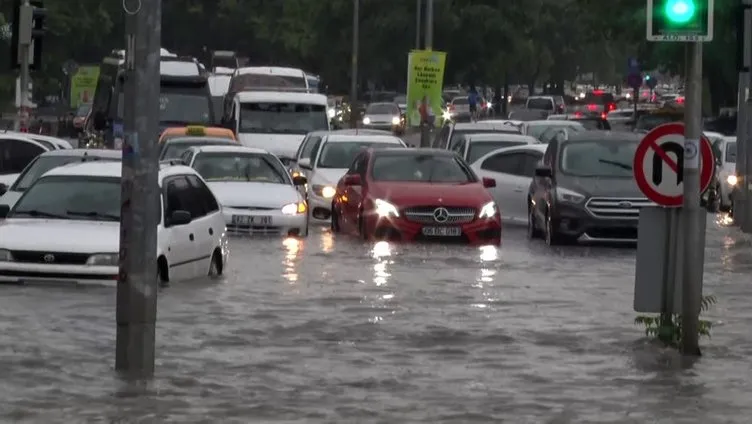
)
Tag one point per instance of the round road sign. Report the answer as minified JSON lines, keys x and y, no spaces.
{"x":659,"y":163}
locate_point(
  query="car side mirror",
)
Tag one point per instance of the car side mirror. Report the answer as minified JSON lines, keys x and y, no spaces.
{"x":299,"y":180}
{"x":352,"y":180}
{"x":180,"y":218}
{"x":543,"y":172}
{"x":3,"y":189}
{"x":4,"y":211}
{"x":489,"y":182}
{"x":305,"y":163}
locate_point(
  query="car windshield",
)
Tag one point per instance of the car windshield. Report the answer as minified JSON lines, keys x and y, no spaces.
{"x":540,"y":103}
{"x":71,"y":197}
{"x":536,"y":130}
{"x":460,"y":101}
{"x":459,"y":133}
{"x":425,"y":168}
{"x":176,"y":149}
{"x":612,"y":158}
{"x":282,"y":118}
{"x":341,"y":155}
{"x":400,"y":100}
{"x":731,"y":152}
{"x":254,"y":167}
{"x":40,"y":166}
{"x":180,"y":108}
{"x":382,"y":109}
{"x":478,"y":150}
{"x":650,"y":121}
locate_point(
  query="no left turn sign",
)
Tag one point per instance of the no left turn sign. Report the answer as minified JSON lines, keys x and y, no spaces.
{"x":660,"y":160}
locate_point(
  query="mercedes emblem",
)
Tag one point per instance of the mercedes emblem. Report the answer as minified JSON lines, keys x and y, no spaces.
{"x":49,"y":258}
{"x":440,"y":214}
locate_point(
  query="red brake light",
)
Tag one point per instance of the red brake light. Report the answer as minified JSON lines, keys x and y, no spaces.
{"x":603,"y":115}
{"x":591,"y":107}
{"x":598,"y":92}
{"x":680,"y":100}
{"x":611,"y":106}
{"x":578,"y":114}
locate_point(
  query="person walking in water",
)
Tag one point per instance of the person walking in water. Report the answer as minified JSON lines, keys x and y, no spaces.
{"x":472,"y":101}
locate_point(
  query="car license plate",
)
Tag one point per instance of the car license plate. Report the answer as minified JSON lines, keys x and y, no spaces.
{"x":251,"y":220}
{"x":442,"y":231}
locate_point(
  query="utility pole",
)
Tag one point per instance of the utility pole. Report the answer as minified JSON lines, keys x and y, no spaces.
{"x":418,"y":21}
{"x":743,"y":207}
{"x":354,"y":111}
{"x":694,"y":235}
{"x":426,"y":127}
{"x":742,"y":116}
{"x":140,"y":208}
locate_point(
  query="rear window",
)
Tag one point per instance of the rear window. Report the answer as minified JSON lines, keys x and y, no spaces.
{"x":460,"y":101}
{"x":459,"y":133}
{"x":540,"y":103}
{"x":599,"y":98}
{"x":382,"y":109}
{"x":731,"y":152}
{"x":478,"y":150}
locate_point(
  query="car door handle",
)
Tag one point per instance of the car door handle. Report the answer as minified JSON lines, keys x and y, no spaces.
{"x":211,"y":231}
{"x":190,"y":237}
{"x":518,"y":189}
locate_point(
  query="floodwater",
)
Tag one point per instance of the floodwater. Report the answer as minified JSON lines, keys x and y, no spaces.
{"x":335,"y":331}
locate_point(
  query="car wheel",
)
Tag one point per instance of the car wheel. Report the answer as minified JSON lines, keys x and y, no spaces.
{"x":362,"y":228}
{"x":551,"y":236}
{"x":532,"y":228}
{"x":335,"y":220}
{"x":713,"y":204}
{"x":215,"y":267}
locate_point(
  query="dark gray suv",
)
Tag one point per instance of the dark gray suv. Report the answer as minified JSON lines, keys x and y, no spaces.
{"x":584,"y":190}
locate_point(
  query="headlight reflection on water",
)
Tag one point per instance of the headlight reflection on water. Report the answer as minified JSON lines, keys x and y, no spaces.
{"x":294,"y":247}
{"x":381,"y":252}
{"x":489,"y":253}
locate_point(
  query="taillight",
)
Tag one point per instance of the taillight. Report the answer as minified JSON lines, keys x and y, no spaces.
{"x":592,"y":107}
{"x":611,"y":106}
{"x":578,"y":114}
{"x":680,"y":100}
{"x":603,"y":115}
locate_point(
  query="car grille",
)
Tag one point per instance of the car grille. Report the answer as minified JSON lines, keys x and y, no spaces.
{"x":59,"y":258}
{"x":250,"y":208}
{"x":254,"y":230}
{"x":425,"y":215}
{"x":617,"y":207}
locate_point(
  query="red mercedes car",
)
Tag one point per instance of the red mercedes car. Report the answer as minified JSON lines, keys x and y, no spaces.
{"x":415,"y":195}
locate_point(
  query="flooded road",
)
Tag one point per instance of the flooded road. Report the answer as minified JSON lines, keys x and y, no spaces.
{"x":334,"y":331}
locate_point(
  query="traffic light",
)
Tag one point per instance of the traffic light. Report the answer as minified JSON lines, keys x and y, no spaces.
{"x":651,"y":82}
{"x":680,"y":20}
{"x":28,"y":27}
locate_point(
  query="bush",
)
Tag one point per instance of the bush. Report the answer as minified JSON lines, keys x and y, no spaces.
{"x":669,"y":331}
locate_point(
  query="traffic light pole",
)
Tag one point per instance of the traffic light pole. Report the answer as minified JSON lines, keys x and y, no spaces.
{"x":744,"y":125}
{"x":23,"y":86}
{"x":140,"y":206}
{"x":692,"y":267}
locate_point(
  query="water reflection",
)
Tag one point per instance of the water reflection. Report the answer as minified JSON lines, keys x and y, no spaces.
{"x":381,"y":251}
{"x":489,"y":253}
{"x":724,"y":220}
{"x":327,"y":241}
{"x":294,"y":247}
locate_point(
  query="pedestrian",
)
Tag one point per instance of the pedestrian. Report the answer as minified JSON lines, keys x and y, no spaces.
{"x":472,"y":101}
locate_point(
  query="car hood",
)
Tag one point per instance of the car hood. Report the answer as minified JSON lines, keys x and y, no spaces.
{"x":55,"y":235}
{"x":601,"y":187}
{"x":10,"y":198}
{"x":262,"y":195}
{"x":328,"y":176}
{"x":431,"y":194}
{"x":282,"y":145}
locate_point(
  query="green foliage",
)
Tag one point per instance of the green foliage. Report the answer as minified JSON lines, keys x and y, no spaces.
{"x":669,"y":331}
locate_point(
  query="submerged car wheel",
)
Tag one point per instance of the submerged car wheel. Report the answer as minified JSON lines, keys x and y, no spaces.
{"x":362,"y":228}
{"x":551,"y":236}
{"x":532,"y":229}
{"x":335,"y":220}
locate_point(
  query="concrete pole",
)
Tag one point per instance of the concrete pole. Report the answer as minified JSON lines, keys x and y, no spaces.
{"x":694,"y":238}
{"x":137,"y":282}
{"x":418,"y":21}
{"x":354,"y":111}
{"x":24,"y":51}
{"x":743,"y":214}
{"x":425,"y":128}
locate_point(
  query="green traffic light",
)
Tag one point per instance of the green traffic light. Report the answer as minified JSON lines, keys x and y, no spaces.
{"x":679,"y":11}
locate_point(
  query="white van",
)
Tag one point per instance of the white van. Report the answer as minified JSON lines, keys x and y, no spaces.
{"x":277,"y":121}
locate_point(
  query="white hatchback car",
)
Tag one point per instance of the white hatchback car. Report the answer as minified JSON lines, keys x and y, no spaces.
{"x":330,"y":163}
{"x":513,"y":169}
{"x":66,"y":227}
{"x":472,"y":147}
{"x":257,"y":193}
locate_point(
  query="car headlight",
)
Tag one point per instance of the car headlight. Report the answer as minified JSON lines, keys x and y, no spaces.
{"x":732,"y":180}
{"x":332,"y":113}
{"x":385,"y":209}
{"x":568,"y":196}
{"x":366,"y":120}
{"x":325,"y":191}
{"x":294,"y":208}
{"x":446,"y":115}
{"x":396,"y":120}
{"x":104,"y":259}
{"x":489,"y":210}
{"x":5,"y":256}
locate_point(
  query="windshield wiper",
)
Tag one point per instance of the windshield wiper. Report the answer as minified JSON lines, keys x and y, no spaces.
{"x":621,"y":165}
{"x":39,"y":214}
{"x":94,"y":214}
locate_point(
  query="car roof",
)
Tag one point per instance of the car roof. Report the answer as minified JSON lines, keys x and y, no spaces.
{"x":110,"y":169}
{"x":492,"y":137}
{"x":377,"y":138}
{"x":281,"y":96}
{"x":54,"y":140}
{"x":538,"y":147}
{"x":23,"y":137}
{"x":596,"y":135}
{"x":413,"y":151}
{"x":193,"y":139}
{"x":486,"y":125}
{"x":100,"y":153}
{"x":551,"y":122}
{"x":234,"y":148}
{"x":393,"y":104}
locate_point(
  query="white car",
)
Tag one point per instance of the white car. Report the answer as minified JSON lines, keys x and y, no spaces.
{"x":471,"y":147}
{"x":49,"y":160}
{"x":536,"y":128}
{"x":330,"y":162}
{"x":16,"y":151}
{"x":257,"y":193}
{"x":513,"y":168}
{"x":66,"y":227}
{"x":726,"y":149}
{"x":52,"y":143}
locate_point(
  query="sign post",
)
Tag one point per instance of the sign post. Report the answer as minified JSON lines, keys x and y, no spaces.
{"x":634,"y":80}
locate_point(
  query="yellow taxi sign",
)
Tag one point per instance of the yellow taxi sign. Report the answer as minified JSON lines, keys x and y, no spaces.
{"x":195,"y":130}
